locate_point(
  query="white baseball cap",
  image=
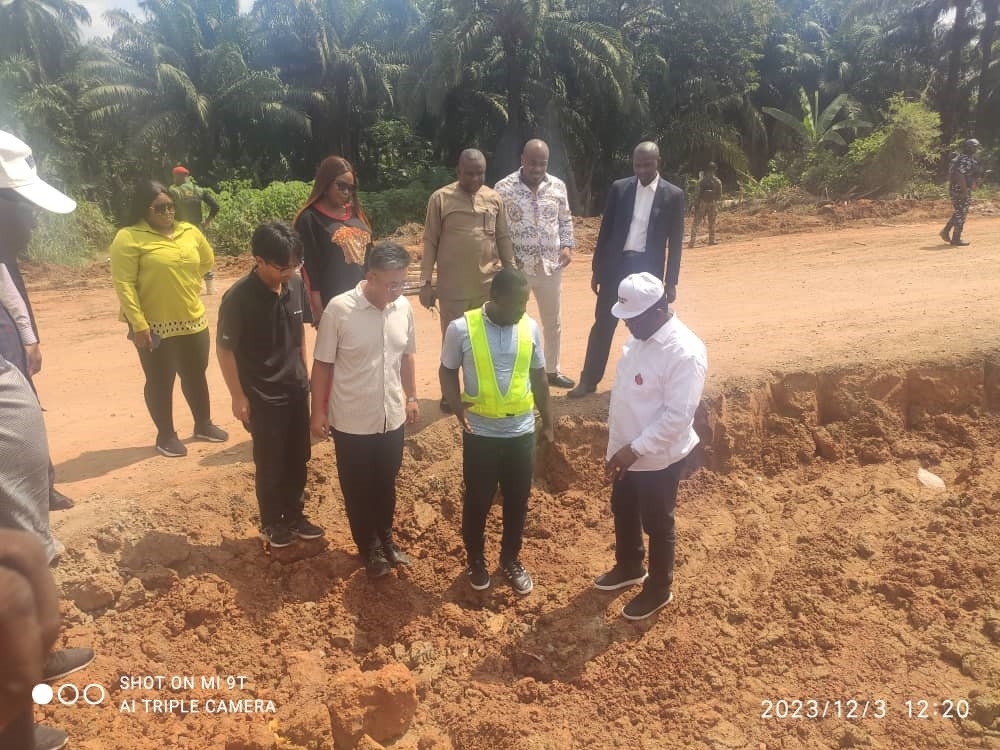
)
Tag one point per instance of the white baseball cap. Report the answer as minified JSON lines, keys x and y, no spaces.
{"x":17,"y":172}
{"x":636,"y":294}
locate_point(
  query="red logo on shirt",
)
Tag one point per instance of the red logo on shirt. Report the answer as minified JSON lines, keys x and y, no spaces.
{"x":638,"y":378}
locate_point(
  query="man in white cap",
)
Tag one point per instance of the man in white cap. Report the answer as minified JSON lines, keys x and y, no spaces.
{"x":25,"y":468}
{"x":656,"y":392}
{"x":22,"y":191}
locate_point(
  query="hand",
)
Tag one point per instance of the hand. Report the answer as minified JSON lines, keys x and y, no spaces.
{"x":565,"y":257}
{"x":29,"y":619}
{"x":33,"y":352}
{"x":241,"y":408}
{"x":461,"y":414}
{"x":412,"y":411}
{"x":671,"y":291}
{"x":144,"y":340}
{"x":319,"y":425}
{"x":620,"y":462}
{"x":595,"y":285}
{"x":427,"y":296}
{"x":548,"y":433}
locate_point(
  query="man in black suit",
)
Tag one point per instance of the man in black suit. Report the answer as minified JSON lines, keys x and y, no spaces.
{"x":643,"y":216}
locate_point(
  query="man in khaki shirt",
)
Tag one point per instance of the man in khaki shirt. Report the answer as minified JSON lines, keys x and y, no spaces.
{"x":465,"y":234}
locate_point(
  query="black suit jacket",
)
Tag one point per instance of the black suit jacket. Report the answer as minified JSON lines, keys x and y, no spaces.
{"x":666,"y":228}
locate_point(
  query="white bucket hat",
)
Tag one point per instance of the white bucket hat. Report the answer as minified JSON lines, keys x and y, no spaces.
{"x":18,"y":173}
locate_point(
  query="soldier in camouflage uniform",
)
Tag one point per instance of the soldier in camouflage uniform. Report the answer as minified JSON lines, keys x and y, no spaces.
{"x":706,"y":204}
{"x":961,"y":181}
{"x":188,"y":197}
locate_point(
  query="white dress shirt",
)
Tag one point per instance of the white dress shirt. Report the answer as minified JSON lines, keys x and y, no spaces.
{"x":635,"y":242}
{"x":656,"y":393}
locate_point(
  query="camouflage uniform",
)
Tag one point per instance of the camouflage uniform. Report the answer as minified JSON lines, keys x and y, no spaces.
{"x":187,"y":198}
{"x":964,"y":165}
{"x":706,"y":205}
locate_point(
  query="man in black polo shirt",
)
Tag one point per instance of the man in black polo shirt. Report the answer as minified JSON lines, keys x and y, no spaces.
{"x":259,"y":345}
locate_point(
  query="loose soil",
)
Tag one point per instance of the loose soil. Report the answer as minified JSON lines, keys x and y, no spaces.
{"x":812,"y":563}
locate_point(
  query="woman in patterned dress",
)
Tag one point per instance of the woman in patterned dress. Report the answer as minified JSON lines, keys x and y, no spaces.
{"x":336,"y":234}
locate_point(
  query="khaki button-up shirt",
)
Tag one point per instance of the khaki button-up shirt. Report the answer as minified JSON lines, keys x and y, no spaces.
{"x":467,"y":237}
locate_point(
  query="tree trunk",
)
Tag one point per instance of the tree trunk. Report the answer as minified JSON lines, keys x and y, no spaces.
{"x":959,"y":35}
{"x":991,"y":9}
{"x":510,"y":142}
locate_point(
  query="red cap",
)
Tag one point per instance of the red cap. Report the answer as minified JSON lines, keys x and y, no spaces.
{"x":181,"y":169}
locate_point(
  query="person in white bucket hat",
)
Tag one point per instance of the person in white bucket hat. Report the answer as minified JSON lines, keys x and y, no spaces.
{"x":656,"y":392}
{"x":22,"y":192}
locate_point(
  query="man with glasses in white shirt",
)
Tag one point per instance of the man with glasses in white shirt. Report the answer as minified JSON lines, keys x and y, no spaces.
{"x":656,"y":392}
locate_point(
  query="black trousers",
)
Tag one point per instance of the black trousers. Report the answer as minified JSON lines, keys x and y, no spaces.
{"x":368,"y":466}
{"x":489,"y":462}
{"x":602,"y":333}
{"x":186,"y":356}
{"x":281,"y":449}
{"x":645,"y":501}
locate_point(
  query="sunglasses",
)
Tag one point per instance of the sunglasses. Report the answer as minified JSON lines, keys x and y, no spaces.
{"x":163,"y":209}
{"x":345,"y":187}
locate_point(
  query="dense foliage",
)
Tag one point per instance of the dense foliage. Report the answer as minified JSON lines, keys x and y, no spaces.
{"x":845,"y":97}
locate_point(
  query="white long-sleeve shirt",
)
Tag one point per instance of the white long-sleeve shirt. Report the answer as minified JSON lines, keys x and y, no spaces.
{"x":657,"y":390}
{"x":635,"y":241}
{"x":13,"y":303}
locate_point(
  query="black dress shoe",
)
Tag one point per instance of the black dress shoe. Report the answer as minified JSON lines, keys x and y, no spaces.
{"x":558,"y":380}
{"x":582,"y":389}
{"x":58,"y":501}
{"x":376,"y":566}
{"x":445,"y":406}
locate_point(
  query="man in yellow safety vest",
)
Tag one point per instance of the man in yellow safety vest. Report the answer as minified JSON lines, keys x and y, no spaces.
{"x":499,"y":351}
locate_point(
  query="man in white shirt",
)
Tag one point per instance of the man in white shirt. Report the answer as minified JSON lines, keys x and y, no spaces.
{"x":656,"y":392}
{"x":541,"y":231}
{"x":363,"y":391}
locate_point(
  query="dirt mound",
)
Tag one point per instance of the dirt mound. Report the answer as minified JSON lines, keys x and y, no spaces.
{"x":812,"y":566}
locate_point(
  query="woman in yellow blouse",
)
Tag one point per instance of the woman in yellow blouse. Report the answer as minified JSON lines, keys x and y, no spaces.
{"x":157,"y":265}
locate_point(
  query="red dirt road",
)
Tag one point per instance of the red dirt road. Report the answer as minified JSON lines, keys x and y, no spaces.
{"x":798,"y":577}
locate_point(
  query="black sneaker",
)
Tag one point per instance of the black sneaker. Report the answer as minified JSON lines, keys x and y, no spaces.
{"x":210,"y":432}
{"x":620,"y":578}
{"x":479,"y":577}
{"x":171,"y":447}
{"x":395,"y":555}
{"x":277,"y":536}
{"x":517,"y":577}
{"x":67,"y":661}
{"x":305,"y":529}
{"x":48,"y":738}
{"x":58,"y":501}
{"x":376,"y":566}
{"x":646,"y":603}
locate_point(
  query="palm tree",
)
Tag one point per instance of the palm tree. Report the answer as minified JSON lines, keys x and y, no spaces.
{"x":42,"y":31}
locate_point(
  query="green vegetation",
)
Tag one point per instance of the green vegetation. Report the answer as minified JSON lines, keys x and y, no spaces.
{"x":838,"y":96}
{"x":71,"y":239}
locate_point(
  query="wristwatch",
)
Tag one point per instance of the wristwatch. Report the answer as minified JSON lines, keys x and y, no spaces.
{"x":412,"y":400}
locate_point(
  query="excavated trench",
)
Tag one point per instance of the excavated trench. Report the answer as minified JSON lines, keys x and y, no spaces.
{"x":812,"y":565}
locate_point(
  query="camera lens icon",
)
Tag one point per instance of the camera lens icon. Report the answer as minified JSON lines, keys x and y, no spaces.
{"x":69,"y":694}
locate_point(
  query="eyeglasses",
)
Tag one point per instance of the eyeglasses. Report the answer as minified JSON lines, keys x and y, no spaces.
{"x":345,"y":187}
{"x":163,"y":209}
{"x":283,"y":269}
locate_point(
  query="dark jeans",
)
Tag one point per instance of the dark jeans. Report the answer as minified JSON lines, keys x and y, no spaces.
{"x":367,"y":466}
{"x":603,"y":331}
{"x":20,"y":733}
{"x":645,"y":501}
{"x":489,"y":462}
{"x":281,"y":449}
{"x":186,"y":356}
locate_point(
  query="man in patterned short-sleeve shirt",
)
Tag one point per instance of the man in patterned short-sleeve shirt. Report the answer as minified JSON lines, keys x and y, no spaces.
{"x":541,"y":230}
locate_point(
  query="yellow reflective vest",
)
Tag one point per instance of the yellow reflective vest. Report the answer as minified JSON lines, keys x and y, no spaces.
{"x":491,"y":402}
